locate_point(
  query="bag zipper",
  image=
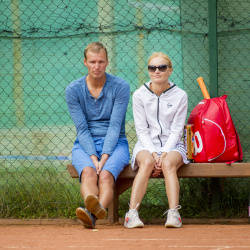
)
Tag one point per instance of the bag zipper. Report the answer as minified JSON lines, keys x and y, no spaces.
{"x":223,"y":137}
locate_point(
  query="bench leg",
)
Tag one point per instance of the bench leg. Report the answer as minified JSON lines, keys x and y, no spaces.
{"x":216,"y":195}
{"x":113,"y":216}
{"x":249,"y":207}
{"x":120,"y":187}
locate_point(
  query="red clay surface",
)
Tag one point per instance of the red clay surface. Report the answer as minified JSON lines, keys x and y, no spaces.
{"x":117,"y":237}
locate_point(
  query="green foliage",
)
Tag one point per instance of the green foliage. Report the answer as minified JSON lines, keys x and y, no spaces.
{"x":49,"y":192}
{"x":46,"y":193}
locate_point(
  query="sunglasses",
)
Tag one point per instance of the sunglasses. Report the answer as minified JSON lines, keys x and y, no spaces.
{"x":161,"y":68}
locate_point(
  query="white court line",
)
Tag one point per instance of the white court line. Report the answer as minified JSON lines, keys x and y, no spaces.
{"x":214,"y":247}
{"x":167,"y":246}
{"x":167,"y":239}
{"x":175,"y":246}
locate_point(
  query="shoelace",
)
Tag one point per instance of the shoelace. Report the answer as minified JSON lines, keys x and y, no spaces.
{"x":172,"y":209}
{"x":133,"y":211}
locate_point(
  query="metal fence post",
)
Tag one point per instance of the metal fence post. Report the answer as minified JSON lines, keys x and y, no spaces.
{"x":213,"y":87}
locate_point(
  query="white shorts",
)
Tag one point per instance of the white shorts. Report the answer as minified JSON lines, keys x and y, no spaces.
{"x":139,"y":147}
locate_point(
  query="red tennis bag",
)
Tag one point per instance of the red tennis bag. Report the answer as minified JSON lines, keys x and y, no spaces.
{"x":215,"y":136}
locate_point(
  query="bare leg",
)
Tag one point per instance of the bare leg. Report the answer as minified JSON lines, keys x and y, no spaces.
{"x":88,"y":186}
{"x":171,"y":163}
{"x":145,"y":161}
{"x":89,"y":182}
{"x":106,"y":187}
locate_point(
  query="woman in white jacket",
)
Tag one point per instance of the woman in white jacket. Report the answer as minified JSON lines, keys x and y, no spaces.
{"x":159,"y":109}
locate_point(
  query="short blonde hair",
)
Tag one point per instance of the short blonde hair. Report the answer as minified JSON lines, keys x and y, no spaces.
{"x":95,"y":47}
{"x":161,"y":54}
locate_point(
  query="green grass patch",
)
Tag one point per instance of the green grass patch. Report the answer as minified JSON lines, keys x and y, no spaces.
{"x":44,"y":192}
{"x":34,"y":190}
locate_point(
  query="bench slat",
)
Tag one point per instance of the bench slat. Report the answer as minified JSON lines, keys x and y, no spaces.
{"x":197,"y":170}
{"x":192,"y":170}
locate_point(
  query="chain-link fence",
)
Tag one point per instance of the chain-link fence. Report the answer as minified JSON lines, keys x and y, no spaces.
{"x":41,"y":52}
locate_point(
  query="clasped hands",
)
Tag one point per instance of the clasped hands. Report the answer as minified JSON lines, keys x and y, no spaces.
{"x":158,"y":163}
{"x":99,"y":164}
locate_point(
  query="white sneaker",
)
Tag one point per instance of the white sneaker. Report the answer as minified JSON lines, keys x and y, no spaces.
{"x":132,"y":219}
{"x":174,"y":218}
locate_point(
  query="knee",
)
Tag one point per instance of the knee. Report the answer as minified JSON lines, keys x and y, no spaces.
{"x":147,"y":165}
{"x":106,"y":178}
{"x":168,"y":166}
{"x":88,"y":172}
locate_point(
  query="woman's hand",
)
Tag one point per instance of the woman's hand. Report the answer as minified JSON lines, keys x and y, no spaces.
{"x":157,"y":168}
{"x":163,"y":155}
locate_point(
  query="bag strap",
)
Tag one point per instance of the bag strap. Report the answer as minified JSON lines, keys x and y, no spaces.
{"x":239,"y":146}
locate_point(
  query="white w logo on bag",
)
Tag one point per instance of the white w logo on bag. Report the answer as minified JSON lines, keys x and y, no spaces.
{"x":197,"y":137}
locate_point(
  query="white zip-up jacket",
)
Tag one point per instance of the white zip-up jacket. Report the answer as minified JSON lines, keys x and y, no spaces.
{"x":159,"y":120}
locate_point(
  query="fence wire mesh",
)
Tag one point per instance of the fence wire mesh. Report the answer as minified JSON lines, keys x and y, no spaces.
{"x":41,"y":48}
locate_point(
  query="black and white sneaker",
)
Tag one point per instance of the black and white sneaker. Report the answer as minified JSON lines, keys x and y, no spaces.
{"x":86,"y":217}
{"x":93,"y":206}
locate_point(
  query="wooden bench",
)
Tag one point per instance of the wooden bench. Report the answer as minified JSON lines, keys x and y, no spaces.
{"x":191,"y":170}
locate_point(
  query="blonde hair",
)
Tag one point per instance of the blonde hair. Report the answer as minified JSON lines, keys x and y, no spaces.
{"x":161,"y":54}
{"x":95,"y":47}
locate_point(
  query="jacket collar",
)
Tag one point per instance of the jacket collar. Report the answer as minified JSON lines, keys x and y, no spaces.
{"x":172,"y":85}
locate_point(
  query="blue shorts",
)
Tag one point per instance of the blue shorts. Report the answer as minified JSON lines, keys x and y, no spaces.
{"x":116,"y":162}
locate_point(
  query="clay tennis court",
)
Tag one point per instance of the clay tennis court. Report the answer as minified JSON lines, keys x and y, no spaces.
{"x":65,"y":236}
